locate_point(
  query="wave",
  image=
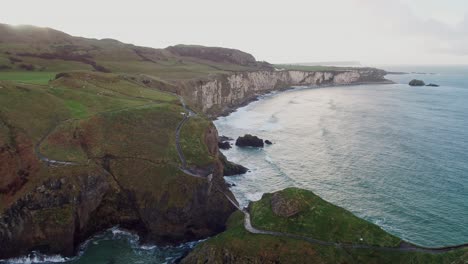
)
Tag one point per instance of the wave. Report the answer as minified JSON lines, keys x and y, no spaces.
{"x":114,"y":233}
{"x":36,"y":257}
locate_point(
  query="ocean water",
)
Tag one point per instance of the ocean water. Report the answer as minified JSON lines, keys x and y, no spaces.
{"x":114,"y":246}
{"x":394,"y":155}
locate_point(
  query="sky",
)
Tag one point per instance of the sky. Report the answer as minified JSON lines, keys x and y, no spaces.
{"x":370,"y":31}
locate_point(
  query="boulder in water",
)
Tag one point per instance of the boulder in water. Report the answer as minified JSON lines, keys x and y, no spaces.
{"x":224,"y":145}
{"x":415,"y":82}
{"x":249,"y":141}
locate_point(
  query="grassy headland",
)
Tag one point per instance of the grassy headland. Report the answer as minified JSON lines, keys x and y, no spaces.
{"x":314,"y":218}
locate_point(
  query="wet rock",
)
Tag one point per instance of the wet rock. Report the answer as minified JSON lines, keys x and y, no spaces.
{"x":249,"y":141}
{"x":268,"y":142}
{"x":224,"y":138}
{"x":229,"y":185}
{"x":224,"y":145}
{"x":231,"y":168}
{"x":433,"y":85}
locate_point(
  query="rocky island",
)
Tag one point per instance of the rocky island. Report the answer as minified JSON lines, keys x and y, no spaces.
{"x":99,"y":133}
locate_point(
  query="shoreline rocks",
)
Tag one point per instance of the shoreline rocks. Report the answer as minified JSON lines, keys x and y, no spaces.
{"x":224,"y":145}
{"x":223,"y":142}
{"x":230,"y":168}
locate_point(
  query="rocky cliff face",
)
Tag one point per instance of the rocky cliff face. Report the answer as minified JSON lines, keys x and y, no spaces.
{"x":218,"y":95}
{"x":54,"y":215}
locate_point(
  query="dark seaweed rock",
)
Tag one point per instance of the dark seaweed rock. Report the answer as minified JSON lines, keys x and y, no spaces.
{"x":268,"y":142}
{"x":231,"y":168}
{"x":433,"y":85}
{"x":416,"y":83}
{"x":224,"y":138}
{"x":224,"y":145}
{"x":249,"y":141}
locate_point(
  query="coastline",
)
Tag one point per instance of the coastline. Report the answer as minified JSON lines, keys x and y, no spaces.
{"x":256,"y":97}
{"x":443,"y":246}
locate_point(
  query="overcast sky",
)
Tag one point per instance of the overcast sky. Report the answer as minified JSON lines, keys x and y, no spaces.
{"x":370,"y":31}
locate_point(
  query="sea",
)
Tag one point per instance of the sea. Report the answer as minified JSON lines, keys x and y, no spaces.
{"x":392,"y":154}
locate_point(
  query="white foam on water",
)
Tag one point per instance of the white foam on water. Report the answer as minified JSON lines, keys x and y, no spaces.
{"x":35,"y":257}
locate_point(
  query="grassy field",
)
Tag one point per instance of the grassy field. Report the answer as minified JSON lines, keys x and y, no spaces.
{"x":90,"y":115}
{"x":29,"y":77}
{"x":310,"y":68}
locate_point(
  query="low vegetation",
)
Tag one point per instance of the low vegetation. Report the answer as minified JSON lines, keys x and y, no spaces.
{"x":236,"y":245}
{"x":27,"y":77}
{"x":297,"y":67}
{"x":318,"y":219}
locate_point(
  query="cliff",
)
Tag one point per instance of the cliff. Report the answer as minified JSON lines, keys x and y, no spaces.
{"x":219,"y":94}
{"x":85,"y":162}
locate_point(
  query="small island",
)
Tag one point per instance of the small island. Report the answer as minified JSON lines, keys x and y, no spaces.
{"x":415,"y":82}
{"x":249,"y":141}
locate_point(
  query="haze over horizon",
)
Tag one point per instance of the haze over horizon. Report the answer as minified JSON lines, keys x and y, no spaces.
{"x":369,"y":31}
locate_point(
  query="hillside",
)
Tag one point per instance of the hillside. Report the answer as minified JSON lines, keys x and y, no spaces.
{"x":28,"y":48}
{"x":92,"y":150}
{"x":98,"y":133}
{"x":297,"y":226}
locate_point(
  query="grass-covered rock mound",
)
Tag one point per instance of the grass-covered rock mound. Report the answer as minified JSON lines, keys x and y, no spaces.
{"x":313,"y":217}
{"x":306,"y":214}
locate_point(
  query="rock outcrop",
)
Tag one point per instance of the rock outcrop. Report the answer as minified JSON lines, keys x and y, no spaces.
{"x":249,"y":141}
{"x":230,"y":168}
{"x":416,"y":83}
{"x":284,"y":207}
{"x":221,"y":94}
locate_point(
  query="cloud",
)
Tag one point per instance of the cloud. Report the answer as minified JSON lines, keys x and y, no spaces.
{"x":398,"y":19}
{"x":372,"y":31}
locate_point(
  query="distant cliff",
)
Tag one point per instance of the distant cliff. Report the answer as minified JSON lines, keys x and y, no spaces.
{"x":219,"y":94}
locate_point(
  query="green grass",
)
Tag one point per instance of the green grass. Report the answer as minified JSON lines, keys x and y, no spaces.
{"x":192,"y":141}
{"x":240,"y":246}
{"x":77,"y":109}
{"x":30,"y":108}
{"x":64,"y":143}
{"x":319,"y":219}
{"x":30,"y":77}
